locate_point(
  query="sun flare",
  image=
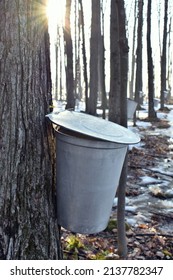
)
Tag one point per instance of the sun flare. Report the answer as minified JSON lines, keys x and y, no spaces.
{"x":55,"y":12}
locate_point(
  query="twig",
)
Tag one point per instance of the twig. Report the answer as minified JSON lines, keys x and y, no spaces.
{"x":150,"y":234}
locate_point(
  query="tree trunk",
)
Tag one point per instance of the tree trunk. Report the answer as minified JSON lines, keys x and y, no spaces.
{"x":169,"y":78}
{"x":139,"y":84}
{"x":69,"y":58}
{"x":114,"y":96}
{"x":94,"y":48}
{"x":122,"y":243}
{"x":131,"y":82}
{"x":163,"y":58}
{"x":118,"y":103}
{"x":102,"y":68}
{"x":84,"y":56}
{"x":151,"y":111}
{"x":28,"y":228}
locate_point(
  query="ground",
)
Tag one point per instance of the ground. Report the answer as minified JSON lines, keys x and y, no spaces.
{"x":147,"y":238}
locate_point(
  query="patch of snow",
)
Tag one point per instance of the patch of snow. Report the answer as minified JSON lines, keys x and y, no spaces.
{"x":146,"y":180}
{"x":131,"y":209}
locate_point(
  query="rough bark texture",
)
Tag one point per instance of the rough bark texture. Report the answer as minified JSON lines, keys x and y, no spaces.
{"x":118,"y":103}
{"x":163,"y":57}
{"x":131,"y":82}
{"x":151,"y":111}
{"x":115,"y":80}
{"x":69,"y":58}
{"x":84,"y":55}
{"x":122,"y":243}
{"x":28,"y":227}
{"x":139,"y":84}
{"x":94,"y":43}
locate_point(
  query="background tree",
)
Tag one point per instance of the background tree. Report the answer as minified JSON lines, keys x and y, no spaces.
{"x":28,"y":228}
{"x":69,"y":58}
{"x":84,"y":56}
{"x":114,"y":95}
{"x":102,"y":65}
{"x":151,"y":111}
{"x":94,"y":48}
{"x":164,"y":56}
{"x":118,"y":98}
{"x":138,"y":80}
{"x":131,"y":82}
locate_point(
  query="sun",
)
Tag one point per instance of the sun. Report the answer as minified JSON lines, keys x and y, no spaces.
{"x":55,"y":12}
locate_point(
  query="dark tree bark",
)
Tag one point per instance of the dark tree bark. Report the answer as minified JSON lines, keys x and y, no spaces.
{"x":163,"y":57}
{"x":115,"y":79}
{"x":28,"y":228}
{"x":84,"y":56}
{"x":139,"y":83}
{"x":94,"y":48}
{"x":151,"y":111}
{"x":124,"y":49}
{"x":69,"y":58}
{"x":118,"y":103}
{"x":131,"y":82}
{"x":102,"y":66}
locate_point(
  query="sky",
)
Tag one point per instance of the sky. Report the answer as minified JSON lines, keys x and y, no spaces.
{"x":56,"y":12}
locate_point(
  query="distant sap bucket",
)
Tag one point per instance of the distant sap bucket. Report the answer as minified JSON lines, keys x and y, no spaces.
{"x":131,"y":108}
{"x":156,"y":102}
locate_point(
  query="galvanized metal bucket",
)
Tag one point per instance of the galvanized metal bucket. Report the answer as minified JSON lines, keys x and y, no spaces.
{"x":88,"y":172}
{"x":90,"y":154}
{"x":131,"y":108}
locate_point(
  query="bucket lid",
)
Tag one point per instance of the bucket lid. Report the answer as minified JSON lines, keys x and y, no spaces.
{"x":94,"y":127}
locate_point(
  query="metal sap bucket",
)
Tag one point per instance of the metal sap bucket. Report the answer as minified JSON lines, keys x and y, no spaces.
{"x":131,"y":108}
{"x":156,"y":102}
{"x":88,"y":169}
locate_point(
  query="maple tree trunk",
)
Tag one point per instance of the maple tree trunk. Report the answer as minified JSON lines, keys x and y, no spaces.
{"x":139,"y":84}
{"x":151,"y":111}
{"x":163,"y":57}
{"x":114,"y":95}
{"x":69,"y":58}
{"x":28,"y":228}
{"x":84,"y":55}
{"x":94,"y":48}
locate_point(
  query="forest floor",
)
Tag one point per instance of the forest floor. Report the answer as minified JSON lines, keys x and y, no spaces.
{"x":149,"y":237}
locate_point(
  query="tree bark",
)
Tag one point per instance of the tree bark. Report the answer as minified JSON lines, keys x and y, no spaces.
{"x":139,"y":83}
{"x":131,"y":82}
{"x":28,"y":228}
{"x":69,"y":58}
{"x":94,"y":48}
{"x":163,"y":58}
{"x":115,"y":80}
{"x":84,"y":56}
{"x":151,"y":111}
{"x":118,"y":103}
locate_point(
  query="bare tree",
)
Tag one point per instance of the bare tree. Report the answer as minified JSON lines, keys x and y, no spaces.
{"x":102,"y":64}
{"x":169,"y":58}
{"x":115,"y":79}
{"x":131,"y":82}
{"x":118,"y":102}
{"x":28,"y":228}
{"x":84,"y":56}
{"x":69,"y":58}
{"x":151,"y":111}
{"x":94,"y":48}
{"x":163,"y":57}
{"x":139,"y":82}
